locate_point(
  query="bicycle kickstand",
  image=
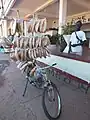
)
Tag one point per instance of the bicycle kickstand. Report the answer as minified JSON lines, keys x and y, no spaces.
{"x":25,"y":87}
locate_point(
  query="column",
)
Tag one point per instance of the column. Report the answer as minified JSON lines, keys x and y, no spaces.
{"x":62,"y":14}
{"x":0,"y":30}
{"x":5,"y":31}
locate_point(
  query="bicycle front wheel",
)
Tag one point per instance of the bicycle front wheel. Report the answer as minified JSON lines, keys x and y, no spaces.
{"x":51,"y":102}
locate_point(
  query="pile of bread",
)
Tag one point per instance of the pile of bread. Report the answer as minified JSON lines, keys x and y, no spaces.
{"x":29,"y":48}
{"x":38,"y":25}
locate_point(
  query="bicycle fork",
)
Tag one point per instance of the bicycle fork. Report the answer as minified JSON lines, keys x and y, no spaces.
{"x":28,"y":81}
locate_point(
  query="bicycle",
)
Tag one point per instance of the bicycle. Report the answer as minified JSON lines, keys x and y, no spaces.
{"x":49,"y":89}
{"x":40,"y":80}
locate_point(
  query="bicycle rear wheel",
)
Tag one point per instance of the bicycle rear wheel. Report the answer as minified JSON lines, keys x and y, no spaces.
{"x":50,"y":96}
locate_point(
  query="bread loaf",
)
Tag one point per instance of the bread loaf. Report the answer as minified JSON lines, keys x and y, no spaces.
{"x":33,"y":25}
{"x":23,"y":66}
{"x":29,"y":53}
{"x":43,"y":25}
{"x":47,"y":52}
{"x":26,"y":43}
{"x":37,"y":42}
{"x":30,"y":43}
{"x":22,"y":55}
{"x":37,"y":26}
{"x":17,"y":54}
{"x":13,"y":57}
{"x":44,"y":53}
{"x":21,"y":43}
{"x":40,"y":39}
{"x":45,"y":42}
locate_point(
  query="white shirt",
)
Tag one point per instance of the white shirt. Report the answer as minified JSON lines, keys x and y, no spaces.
{"x":74,"y":40}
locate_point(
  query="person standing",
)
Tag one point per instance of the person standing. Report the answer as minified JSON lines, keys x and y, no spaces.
{"x":77,"y":40}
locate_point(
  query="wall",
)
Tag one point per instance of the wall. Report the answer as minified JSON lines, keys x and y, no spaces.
{"x":84,"y":17}
{"x":50,"y":23}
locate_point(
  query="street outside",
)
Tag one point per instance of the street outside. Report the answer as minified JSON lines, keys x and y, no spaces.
{"x":13,"y":106}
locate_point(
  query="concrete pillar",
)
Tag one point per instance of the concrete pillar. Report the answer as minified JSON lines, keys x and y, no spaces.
{"x":5,"y":31}
{"x":62,"y":14}
{"x":0,"y":30}
{"x":6,"y":28}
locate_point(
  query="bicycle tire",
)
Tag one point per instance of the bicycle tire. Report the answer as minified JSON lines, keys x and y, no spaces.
{"x":44,"y":106}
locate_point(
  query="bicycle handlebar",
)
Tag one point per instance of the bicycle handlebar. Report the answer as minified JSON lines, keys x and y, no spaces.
{"x":54,"y":64}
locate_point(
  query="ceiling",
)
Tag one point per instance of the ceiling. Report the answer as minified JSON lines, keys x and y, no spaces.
{"x":26,"y":7}
{"x":77,"y":6}
{"x":73,"y":7}
{"x":52,"y":11}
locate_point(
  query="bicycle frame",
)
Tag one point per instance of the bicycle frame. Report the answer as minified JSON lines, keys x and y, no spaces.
{"x":42,"y":72}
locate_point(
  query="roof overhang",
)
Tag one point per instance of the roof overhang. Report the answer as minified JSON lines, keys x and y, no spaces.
{"x":48,"y":8}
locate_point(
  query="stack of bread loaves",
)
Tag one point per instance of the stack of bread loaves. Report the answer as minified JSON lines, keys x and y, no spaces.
{"x":32,"y":47}
{"x":28,"y":48}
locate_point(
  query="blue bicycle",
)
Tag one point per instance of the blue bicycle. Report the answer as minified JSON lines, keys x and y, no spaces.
{"x":51,"y":100}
